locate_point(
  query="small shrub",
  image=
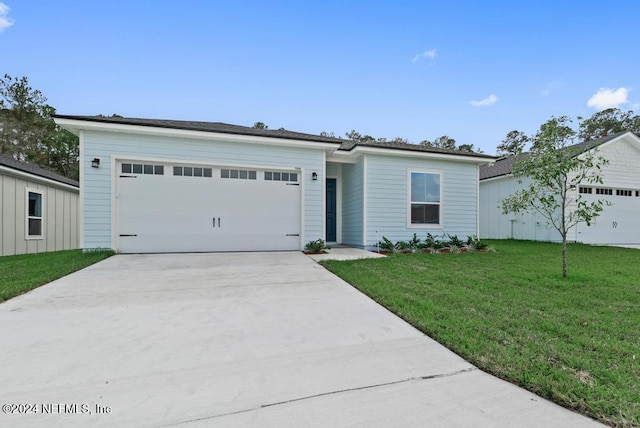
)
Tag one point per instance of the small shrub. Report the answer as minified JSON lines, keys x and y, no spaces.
{"x":316,"y":246}
{"x":386,"y":245}
{"x":414,"y":243}
{"x":434,"y":242}
{"x":403,"y":246}
{"x":480,"y":245}
{"x":455,"y":241}
{"x":475,"y":243}
{"x":430,"y":241}
{"x":454,"y":249}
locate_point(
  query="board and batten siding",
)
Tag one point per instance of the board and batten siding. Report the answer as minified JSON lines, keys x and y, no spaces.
{"x":352,"y":203}
{"x":110,"y":146}
{"x":59,"y":217}
{"x":496,"y":225}
{"x":388,"y":189}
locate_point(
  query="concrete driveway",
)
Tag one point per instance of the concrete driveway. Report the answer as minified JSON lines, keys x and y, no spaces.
{"x":258,"y":339}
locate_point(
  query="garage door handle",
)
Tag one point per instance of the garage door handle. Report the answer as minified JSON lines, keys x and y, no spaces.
{"x":218,"y":221}
{"x":214,"y":222}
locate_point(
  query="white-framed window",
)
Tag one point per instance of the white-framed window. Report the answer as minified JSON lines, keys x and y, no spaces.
{"x":424,"y":199}
{"x":35,"y":209}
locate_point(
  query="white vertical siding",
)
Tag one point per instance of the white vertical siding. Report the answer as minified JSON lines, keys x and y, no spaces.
{"x":59,"y":222}
{"x":352,"y":203}
{"x":620,"y":173}
{"x":97,"y":186}
{"x":388,"y":187}
{"x":496,"y":225}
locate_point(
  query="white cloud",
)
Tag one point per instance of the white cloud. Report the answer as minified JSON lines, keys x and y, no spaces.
{"x":5,"y":21}
{"x":424,"y":55}
{"x":489,"y":101}
{"x":607,"y":98}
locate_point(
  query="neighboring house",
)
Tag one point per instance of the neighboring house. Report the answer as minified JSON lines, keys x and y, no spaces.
{"x":179,"y":186}
{"x":616,"y":225}
{"x":38,"y":211}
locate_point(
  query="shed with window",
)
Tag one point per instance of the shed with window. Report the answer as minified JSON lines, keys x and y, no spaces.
{"x":38,"y":211}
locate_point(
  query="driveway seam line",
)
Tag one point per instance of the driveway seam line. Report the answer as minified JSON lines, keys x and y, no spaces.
{"x":360,"y":388}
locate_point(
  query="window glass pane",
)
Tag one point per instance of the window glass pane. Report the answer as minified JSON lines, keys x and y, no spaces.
{"x":224,"y":173}
{"x":234,"y":173}
{"x":35,"y":227}
{"x":285,"y":176}
{"x":268,"y":175}
{"x":137,"y":168}
{"x":177,"y":170}
{"x":252,"y":175}
{"x":425,"y":187}
{"x":188,"y":171}
{"x":158,"y":170}
{"x":126,"y":168}
{"x":35,"y":204}
{"x":207,"y":172}
{"x":197,"y":172}
{"x":148,"y":169}
{"x":276,"y":176}
{"x":293,"y":176}
{"x":425,"y":214}
{"x":243,"y":175}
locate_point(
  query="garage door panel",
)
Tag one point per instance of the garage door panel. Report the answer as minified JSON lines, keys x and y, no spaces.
{"x":616,"y":224}
{"x":166,"y":213}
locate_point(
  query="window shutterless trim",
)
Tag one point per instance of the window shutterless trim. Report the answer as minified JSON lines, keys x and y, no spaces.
{"x":32,"y":216}
{"x":440,"y":223}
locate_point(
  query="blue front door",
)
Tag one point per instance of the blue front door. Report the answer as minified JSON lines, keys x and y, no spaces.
{"x":331,"y":210}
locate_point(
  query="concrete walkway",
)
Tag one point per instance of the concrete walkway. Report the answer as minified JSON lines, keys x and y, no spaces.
{"x":235,"y":340}
{"x":345,"y":253}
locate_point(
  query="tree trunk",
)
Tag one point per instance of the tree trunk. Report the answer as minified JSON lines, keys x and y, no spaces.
{"x":564,"y":256}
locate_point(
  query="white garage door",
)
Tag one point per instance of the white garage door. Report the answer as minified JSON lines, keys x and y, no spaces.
{"x":617,"y":224}
{"x":191,"y":208}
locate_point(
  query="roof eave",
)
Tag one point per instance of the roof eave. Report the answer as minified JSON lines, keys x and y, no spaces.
{"x":422,"y":154}
{"x":74,"y":125}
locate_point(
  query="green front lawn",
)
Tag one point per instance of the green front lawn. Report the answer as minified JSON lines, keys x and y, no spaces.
{"x":19,"y":274}
{"x":575,"y":341}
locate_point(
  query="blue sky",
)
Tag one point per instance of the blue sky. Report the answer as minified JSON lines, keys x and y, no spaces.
{"x":472,"y":70}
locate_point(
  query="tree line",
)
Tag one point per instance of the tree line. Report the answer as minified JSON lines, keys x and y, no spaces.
{"x":28,"y":132}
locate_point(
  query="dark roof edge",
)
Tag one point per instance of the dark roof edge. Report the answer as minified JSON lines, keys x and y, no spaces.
{"x":223,"y":128}
{"x":37,"y":171}
{"x":505,"y":163}
{"x":418,"y":148}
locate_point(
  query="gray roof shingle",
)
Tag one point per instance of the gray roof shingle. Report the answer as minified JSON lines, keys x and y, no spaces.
{"x":504,"y":165}
{"x":225,"y":128}
{"x":220,"y":127}
{"x":35,"y":170}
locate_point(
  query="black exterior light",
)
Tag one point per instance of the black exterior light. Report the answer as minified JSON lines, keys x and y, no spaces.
{"x":314,"y":176}
{"x":95,"y":163}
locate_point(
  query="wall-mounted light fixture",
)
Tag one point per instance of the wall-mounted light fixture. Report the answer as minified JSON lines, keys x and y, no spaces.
{"x":95,"y":163}
{"x":314,"y":176}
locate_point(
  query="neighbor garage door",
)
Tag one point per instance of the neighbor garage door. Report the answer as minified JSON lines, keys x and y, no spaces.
{"x":193,"y":208}
{"x":617,"y":224}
